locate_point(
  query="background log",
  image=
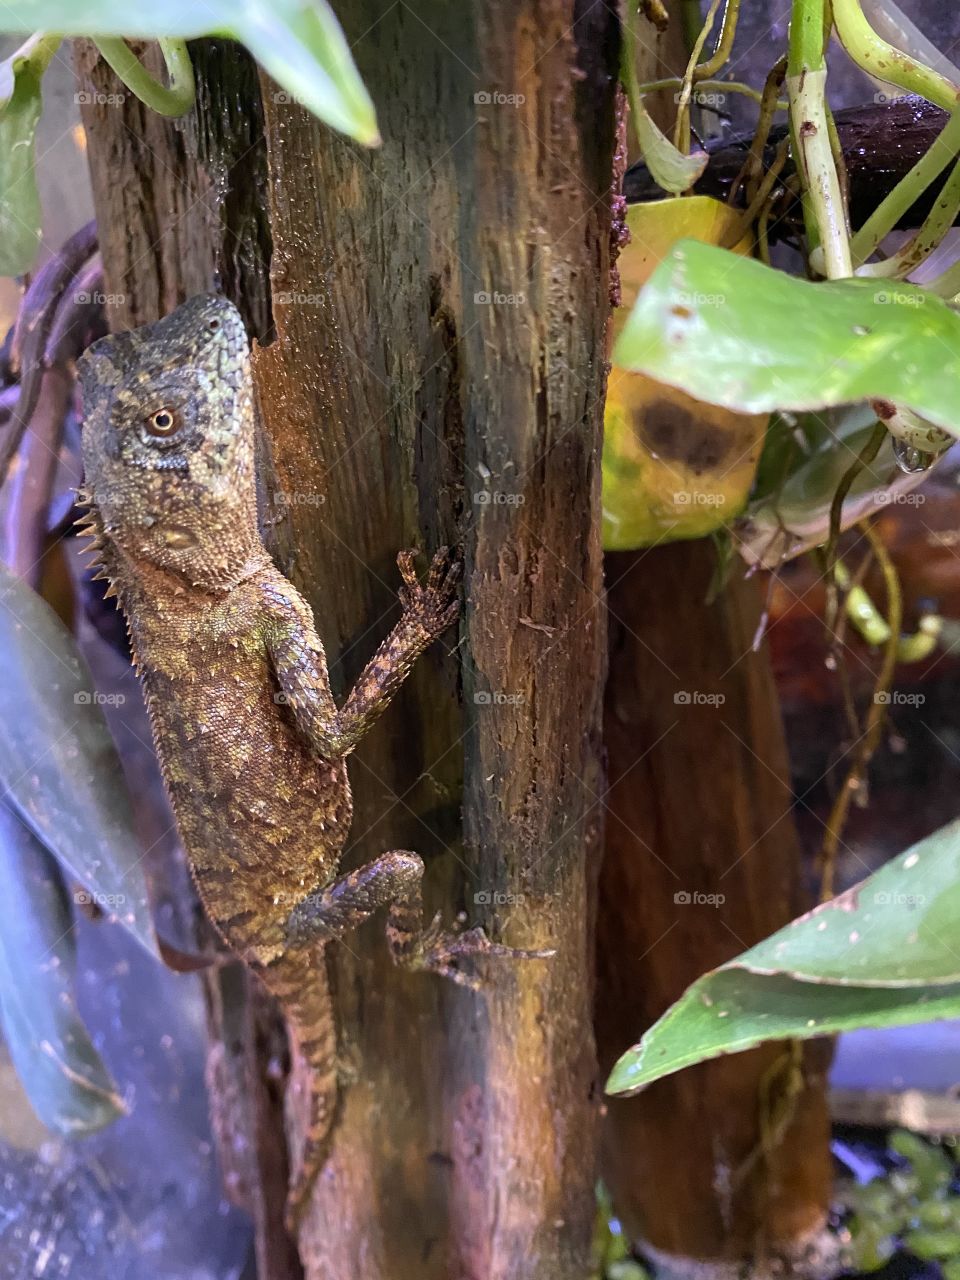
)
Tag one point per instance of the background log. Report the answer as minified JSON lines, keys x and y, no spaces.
{"x":881,"y":142}
{"x":699,"y":804}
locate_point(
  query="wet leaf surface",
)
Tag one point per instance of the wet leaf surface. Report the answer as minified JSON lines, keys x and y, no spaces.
{"x":882,"y":954}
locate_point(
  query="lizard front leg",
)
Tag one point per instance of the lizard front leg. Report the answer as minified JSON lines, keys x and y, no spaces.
{"x":394,"y":880}
{"x":301,"y":667}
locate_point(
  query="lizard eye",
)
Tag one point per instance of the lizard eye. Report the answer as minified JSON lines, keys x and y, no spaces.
{"x":163,"y":423}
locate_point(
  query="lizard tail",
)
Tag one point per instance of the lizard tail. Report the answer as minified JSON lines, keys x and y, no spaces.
{"x":299,"y":981}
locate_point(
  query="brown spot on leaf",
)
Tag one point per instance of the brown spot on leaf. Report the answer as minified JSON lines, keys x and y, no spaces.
{"x":673,"y":432}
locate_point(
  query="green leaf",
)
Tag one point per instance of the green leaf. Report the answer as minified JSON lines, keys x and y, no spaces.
{"x":300,"y":44}
{"x":20,"y":105}
{"x":731,"y":1010}
{"x":58,"y":765}
{"x":731,"y":331}
{"x":62,"y":1073}
{"x":671,"y":169}
{"x":800,"y":469}
{"x":882,"y":954}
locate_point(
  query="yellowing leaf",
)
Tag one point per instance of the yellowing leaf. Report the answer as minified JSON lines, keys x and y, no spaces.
{"x":673,"y":467}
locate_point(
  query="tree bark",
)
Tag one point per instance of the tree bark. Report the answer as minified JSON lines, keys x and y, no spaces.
{"x":699,"y":804}
{"x":438,"y":377}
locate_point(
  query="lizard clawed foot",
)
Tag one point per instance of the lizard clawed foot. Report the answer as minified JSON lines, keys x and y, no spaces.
{"x":441,"y":952}
{"x":434,"y":603}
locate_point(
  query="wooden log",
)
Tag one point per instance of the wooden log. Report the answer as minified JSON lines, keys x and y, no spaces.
{"x":702,"y":861}
{"x":438,"y":377}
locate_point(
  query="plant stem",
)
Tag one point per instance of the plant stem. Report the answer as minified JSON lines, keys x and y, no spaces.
{"x":38,"y":49}
{"x":721,"y":53}
{"x":946,"y":285}
{"x":864,"y":750}
{"x":681,"y":133}
{"x":752,"y":167}
{"x":806,"y":85}
{"x":860,"y":609}
{"x":890,"y":210}
{"x":863,"y":459}
{"x":919,"y":247}
{"x":885,"y":62}
{"x":821,"y":181}
{"x":760,"y":197}
{"x":173,"y":99}
{"x":708,"y":86}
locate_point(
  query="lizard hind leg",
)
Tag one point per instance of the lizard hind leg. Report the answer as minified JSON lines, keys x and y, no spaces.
{"x":299,"y":981}
{"x":394,"y":880}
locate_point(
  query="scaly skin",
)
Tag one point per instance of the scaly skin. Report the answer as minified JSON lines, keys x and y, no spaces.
{"x":250,"y":741}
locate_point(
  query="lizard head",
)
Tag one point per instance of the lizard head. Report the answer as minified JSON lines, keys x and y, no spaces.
{"x":168,"y":442}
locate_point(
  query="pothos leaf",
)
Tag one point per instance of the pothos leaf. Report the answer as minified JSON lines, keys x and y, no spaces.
{"x":731,"y":331}
{"x":671,"y":169}
{"x":882,"y":954}
{"x":300,"y":44}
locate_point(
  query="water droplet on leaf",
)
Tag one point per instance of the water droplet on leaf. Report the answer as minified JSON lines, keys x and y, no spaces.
{"x":910,"y":459}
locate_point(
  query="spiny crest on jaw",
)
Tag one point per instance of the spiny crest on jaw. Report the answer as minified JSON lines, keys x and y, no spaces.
{"x":89,"y":526}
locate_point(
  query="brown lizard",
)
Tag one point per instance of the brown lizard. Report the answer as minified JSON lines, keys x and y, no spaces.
{"x":250,"y":741}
